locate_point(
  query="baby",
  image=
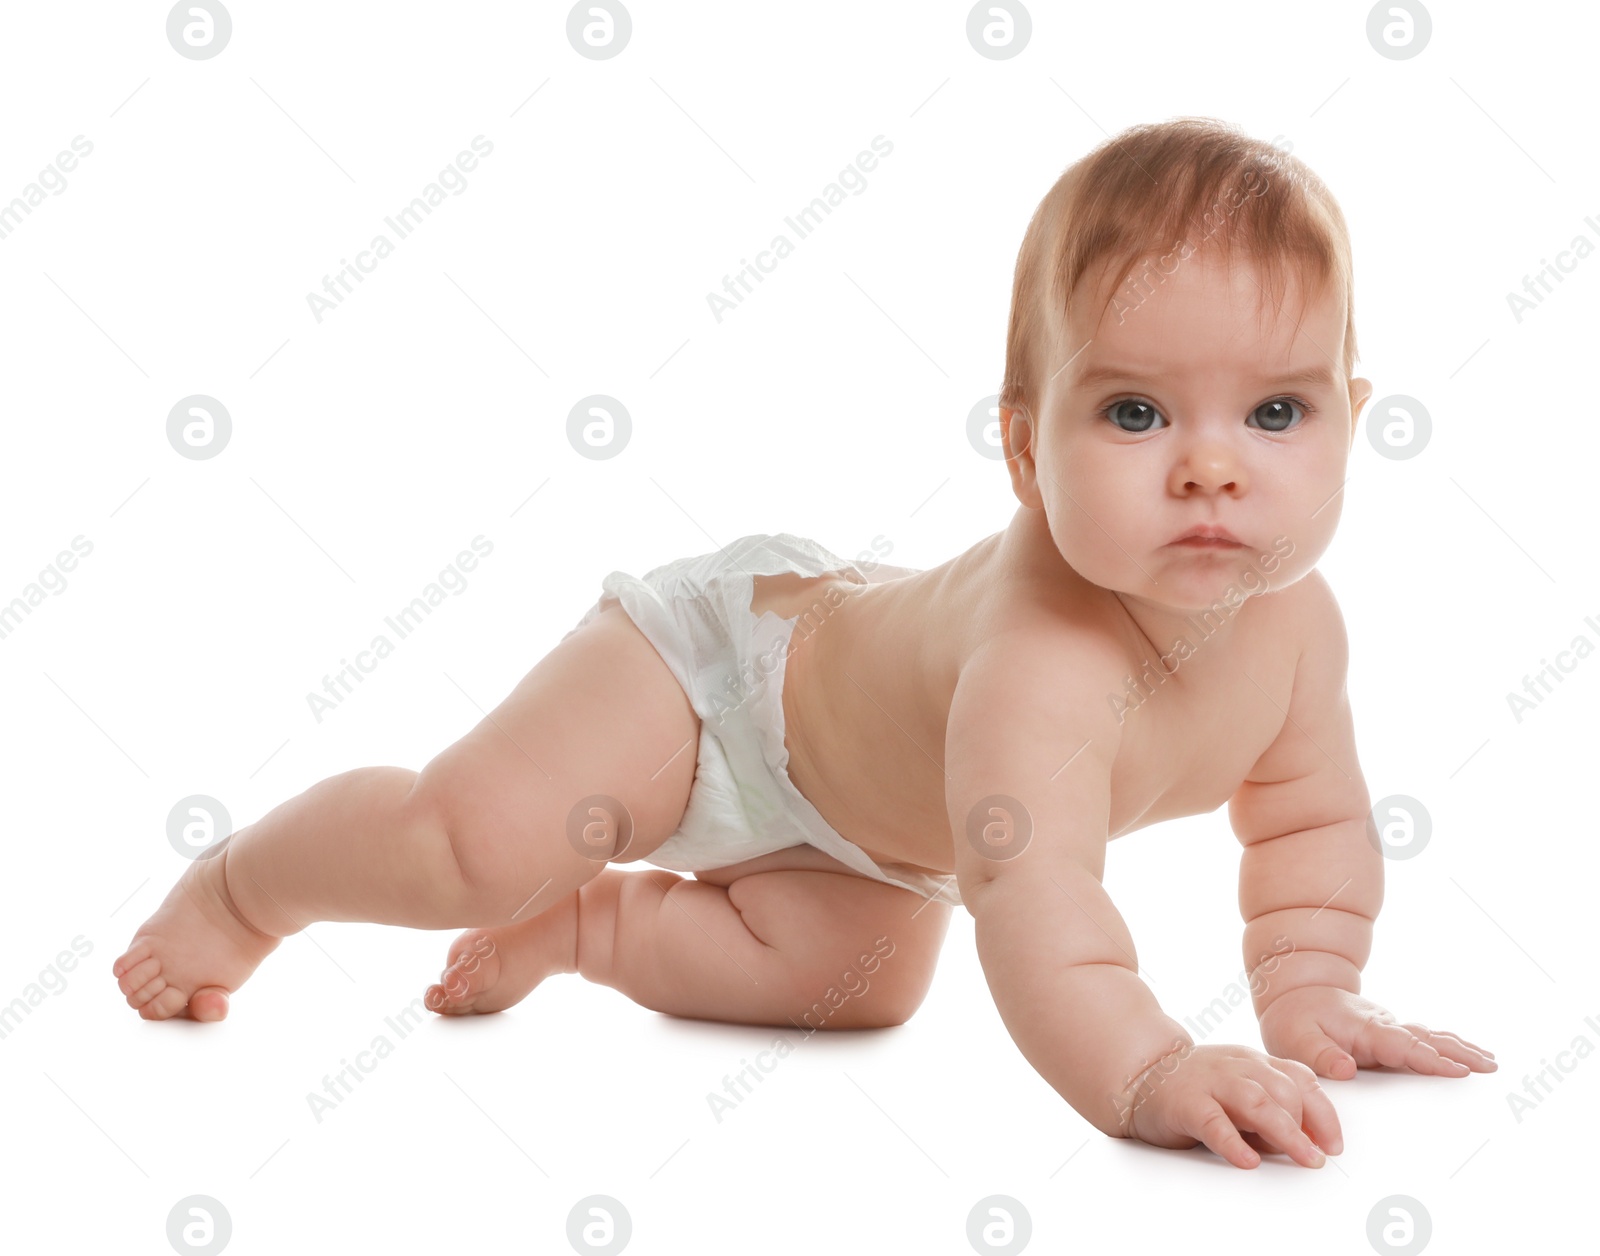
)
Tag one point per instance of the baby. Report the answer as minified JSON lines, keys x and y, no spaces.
{"x":840,"y":751}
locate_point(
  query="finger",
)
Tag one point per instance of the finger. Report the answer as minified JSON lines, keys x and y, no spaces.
{"x":1427,"y":1057}
{"x":1397,"y":1046}
{"x":1456,"y":1048}
{"x":1217,"y":1131}
{"x":1440,"y":1053}
{"x":1256,"y":1143}
{"x":1249,"y":1106}
{"x":1291,"y":1084}
{"x":1480,"y":1050}
{"x":1282,"y":1088}
{"x":1385,"y":1043}
{"x":1320,"y":1053}
{"x":1317,"y":1115}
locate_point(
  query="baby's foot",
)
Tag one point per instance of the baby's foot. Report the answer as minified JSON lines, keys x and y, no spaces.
{"x":193,"y":952}
{"x":491,"y":969}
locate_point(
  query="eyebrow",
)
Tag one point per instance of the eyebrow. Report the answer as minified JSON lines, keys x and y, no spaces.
{"x":1322,"y":374}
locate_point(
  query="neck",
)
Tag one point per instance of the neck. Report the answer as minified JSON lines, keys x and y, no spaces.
{"x":1160,"y":626}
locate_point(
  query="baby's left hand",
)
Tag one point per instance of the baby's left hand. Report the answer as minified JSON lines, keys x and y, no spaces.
{"x":1334,"y":1032}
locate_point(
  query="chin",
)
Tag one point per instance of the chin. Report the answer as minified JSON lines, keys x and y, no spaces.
{"x":1226,"y":585}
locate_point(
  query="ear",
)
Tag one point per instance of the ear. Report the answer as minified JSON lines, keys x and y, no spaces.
{"x":1360,"y":394}
{"x":1017,"y":439}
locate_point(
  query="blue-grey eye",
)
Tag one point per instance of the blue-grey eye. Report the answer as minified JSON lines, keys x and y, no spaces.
{"x":1278,"y":415}
{"x":1138,"y":416}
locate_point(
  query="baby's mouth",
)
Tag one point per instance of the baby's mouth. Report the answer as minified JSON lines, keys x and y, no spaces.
{"x":1207,"y":536}
{"x":1208,"y":543}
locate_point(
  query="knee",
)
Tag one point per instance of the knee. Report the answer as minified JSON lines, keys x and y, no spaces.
{"x":443,"y":796}
{"x":903,"y":994}
{"x":506,"y":865}
{"x":869,"y":991}
{"x":423,"y":815}
{"x":880,"y":1007}
{"x":902,"y":962}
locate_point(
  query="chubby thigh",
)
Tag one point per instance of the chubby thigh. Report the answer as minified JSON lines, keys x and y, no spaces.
{"x":596,"y":741}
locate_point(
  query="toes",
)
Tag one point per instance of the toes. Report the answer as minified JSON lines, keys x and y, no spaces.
{"x":133,"y":955}
{"x":463,"y":945}
{"x":456,"y":988}
{"x":138,"y":976}
{"x":148,"y":991}
{"x":437,"y":999}
{"x":160,"y":1001}
{"x":454,"y":999}
{"x":209,"y":1003}
{"x":473,"y":967}
{"x":169,"y":1002}
{"x":468,"y":951}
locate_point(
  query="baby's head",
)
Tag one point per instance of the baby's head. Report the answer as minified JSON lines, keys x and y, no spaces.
{"x":1180,"y":353}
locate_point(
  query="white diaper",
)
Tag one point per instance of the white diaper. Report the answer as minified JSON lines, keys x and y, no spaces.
{"x":696,"y":613}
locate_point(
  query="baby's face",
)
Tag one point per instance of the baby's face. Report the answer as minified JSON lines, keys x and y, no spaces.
{"x":1198,"y":406}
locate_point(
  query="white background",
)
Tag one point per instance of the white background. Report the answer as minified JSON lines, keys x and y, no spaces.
{"x":369,"y":448}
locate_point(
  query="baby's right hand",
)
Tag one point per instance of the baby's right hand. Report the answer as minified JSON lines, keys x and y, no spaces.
{"x":1234,"y":1100}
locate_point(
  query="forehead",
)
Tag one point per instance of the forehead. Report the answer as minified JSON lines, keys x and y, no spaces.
{"x":1208,"y":315}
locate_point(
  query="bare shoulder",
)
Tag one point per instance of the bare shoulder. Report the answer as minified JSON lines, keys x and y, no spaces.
{"x":1312,"y":614}
{"x":1316,"y":742}
{"x":1043,"y":654}
{"x":1312,"y":625}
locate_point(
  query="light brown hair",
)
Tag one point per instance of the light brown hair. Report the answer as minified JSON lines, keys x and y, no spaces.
{"x":1144,"y":193}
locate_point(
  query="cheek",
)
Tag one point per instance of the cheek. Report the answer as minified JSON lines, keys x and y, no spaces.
{"x":1309,"y":537}
{"x":1098,"y":495}
{"x":1308,"y":500}
{"x":1096,"y":520}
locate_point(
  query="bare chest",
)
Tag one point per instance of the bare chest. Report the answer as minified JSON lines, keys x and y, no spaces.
{"x":1188,"y":741}
{"x":868,"y":684}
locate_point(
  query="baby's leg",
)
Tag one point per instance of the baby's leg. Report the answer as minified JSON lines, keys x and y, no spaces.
{"x":792,"y":947}
{"x":481,"y":835}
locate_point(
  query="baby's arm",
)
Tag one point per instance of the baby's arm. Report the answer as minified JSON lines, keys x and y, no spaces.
{"x":1031,"y":744}
{"x":1311,"y":878}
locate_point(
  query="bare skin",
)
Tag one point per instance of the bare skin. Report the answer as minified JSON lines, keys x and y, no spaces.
{"x":1007,"y":671}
